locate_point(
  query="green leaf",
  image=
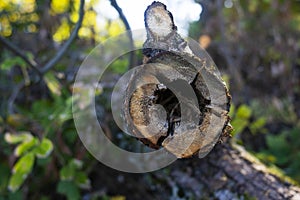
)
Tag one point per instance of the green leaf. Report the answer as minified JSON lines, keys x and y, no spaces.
{"x":239,"y":125}
{"x":67,"y":173}
{"x":52,"y":83}
{"x":232,"y":111}
{"x":17,"y":138}
{"x":69,"y":189}
{"x":82,"y":180}
{"x":257,"y":124}
{"x":44,"y":148}
{"x":24,"y":164}
{"x":8,"y":63}
{"x":244,"y":112}
{"x":16,"y":180}
{"x":77,"y":164}
{"x":279,"y":148}
{"x":119,"y":66}
{"x":25,"y":146}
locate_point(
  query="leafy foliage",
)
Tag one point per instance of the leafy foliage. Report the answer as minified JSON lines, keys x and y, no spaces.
{"x":241,"y":119}
{"x":283,"y":150}
{"x":28,"y":147}
{"x":71,"y":179}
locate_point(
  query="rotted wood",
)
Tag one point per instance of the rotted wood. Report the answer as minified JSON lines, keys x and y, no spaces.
{"x":177,"y":100}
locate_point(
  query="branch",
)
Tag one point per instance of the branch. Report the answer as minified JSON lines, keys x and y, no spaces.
{"x":230,"y":172}
{"x":14,"y":95}
{"x":64,"y":48}
{"x":19,"y":53}
{"x":127,"y":26}
{"x":51,"y":63}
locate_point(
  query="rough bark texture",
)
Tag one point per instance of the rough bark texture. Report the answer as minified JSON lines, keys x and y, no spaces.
{"x":226,"y":173}
{"x":178,"y":99}
{"x":230,"y":172}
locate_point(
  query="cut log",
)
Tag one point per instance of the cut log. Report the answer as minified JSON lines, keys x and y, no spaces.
{"x":177,"y":100}
{"x":228,"y":172}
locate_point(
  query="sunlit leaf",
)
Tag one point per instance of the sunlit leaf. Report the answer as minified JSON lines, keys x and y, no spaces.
{"x":257,"y":125}
{"x":24,"y":164}
{"x":6,"y":29}
{"x":28,"y":6}
{"x":89,"y":18}
{"x":15,"y":181}
{"x":115,"y":28}
{"x":119,"y":197}
{"x":243,"y":111}
{"x":63,"y":32}
{"x":239,"y":125}
{"x":52,"y":83}
{"x":44,"y":148}
{"x":59,"y":6}
{"x":17,"y":138}
{"x":25,"y":146}
{"x":20,"y":171}
{"x":16,"y":120}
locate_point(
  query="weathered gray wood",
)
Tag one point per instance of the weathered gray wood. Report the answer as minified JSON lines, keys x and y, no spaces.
{"x":230,"y":172}
{"x":227,"y":172}
{"x":193,"y":111}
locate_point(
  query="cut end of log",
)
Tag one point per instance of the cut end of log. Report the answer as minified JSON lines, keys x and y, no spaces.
{"x":159,"y":21}
{"x":178,"y":101}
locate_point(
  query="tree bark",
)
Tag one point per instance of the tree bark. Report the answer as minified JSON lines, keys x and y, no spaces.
{"x":178,"y":99}
{"x":228,"y":172}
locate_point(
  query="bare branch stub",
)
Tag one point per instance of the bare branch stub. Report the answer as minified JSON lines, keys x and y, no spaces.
{"x":170,"y":62}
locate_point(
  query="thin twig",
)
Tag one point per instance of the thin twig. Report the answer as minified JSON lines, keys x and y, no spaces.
{"x":63,"y":49}
{"x":13,"y":96}
{"x":129,"y":33}
{"x":19,"y":53}
{"x":51,"y":62}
